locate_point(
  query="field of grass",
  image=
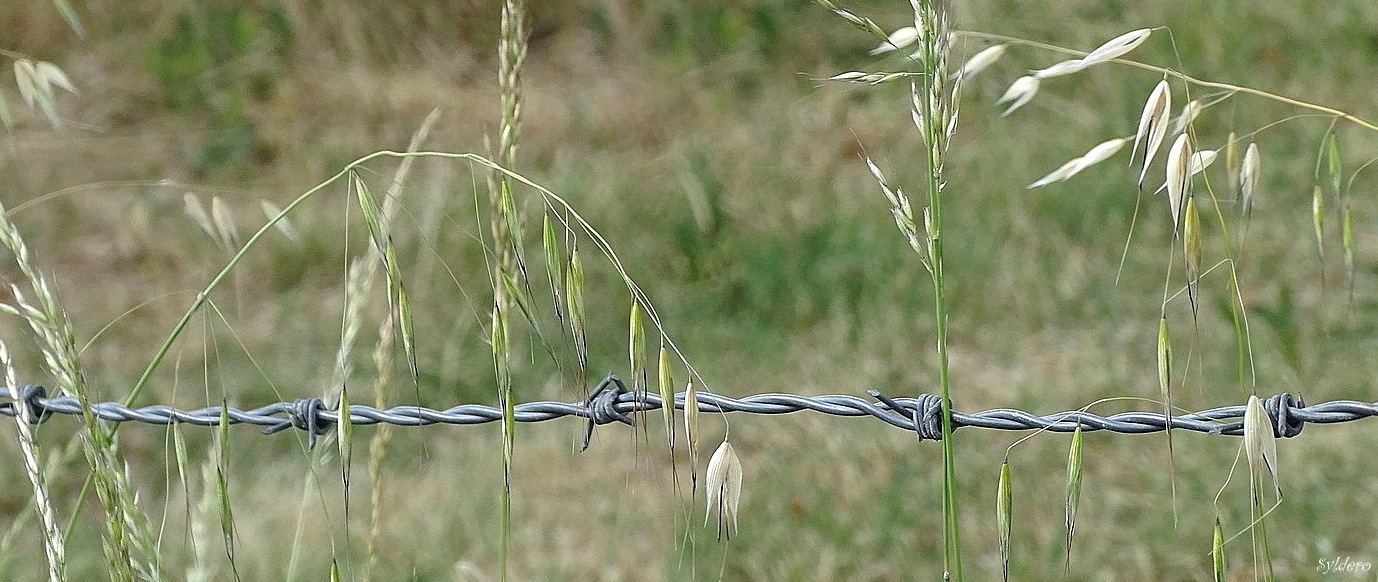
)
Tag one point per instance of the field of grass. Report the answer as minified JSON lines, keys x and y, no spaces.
{"x":700,"y":140}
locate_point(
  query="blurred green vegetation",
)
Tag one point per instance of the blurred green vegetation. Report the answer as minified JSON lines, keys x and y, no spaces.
{"x":698,"y":138}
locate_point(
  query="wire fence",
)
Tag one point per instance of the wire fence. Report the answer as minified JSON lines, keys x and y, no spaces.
{"x":610,"y":401}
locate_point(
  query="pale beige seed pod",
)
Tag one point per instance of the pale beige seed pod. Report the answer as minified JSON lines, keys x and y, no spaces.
{"x":1178,"y":175}
{"x":724,"y":483}
{"x":902,"y":37}
{"x":1153,"y":124}
{"x":1020,"y":92}
{"x":1191,"y":240}
{"x":1248,"y":177}
{"x":979,"y":61}
{"x":1260,"y":444}
{"x":1074,"y":166}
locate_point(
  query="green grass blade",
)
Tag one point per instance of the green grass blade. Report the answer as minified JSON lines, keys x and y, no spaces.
{"x":1004,"y":520}
{"x":666,"y":386}
{"x":1073,"y":495}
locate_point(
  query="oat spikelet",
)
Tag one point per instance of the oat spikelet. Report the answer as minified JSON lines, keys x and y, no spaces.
{"x":1218,"y":551}
{"x":1097,"y":154}
{"x":724,"y":484}
{"x":902,"y":37}
{"x":1178,"y":178}
{"x":1190,"y":112}
{"x":1153,"y":125}
{"x":1118,"y":46}
{"x":665,"y":384}
{"x":1318,"y":219}
{"x":1248,"y":178}
{"x":980,"y":61}
{"x":1260,"y":444}
{"x":691,"y":430}
{"x":1004,"y":509}
{"x":1020,"y":92}
{"x":1191,"y":246}
{"x":1232,"y":162}
{"x":1112,"y":49}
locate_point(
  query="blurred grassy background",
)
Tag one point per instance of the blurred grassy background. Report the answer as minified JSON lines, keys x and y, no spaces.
{"x":697,"y":138}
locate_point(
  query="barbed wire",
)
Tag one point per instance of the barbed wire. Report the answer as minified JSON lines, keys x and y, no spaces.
{"x":611,"y":401}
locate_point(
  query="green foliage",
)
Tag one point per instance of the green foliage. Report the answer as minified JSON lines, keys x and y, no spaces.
{"x":218,"y":61}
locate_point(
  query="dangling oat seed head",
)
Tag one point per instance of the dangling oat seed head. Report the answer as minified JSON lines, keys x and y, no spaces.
{"x":1074,"y":166}
{"x":980,"y":61}
{"x":1101,"y":152}
{"x":1063,"y":68}
{"x":1202,"y":160}
{"x":1178,"y":179}
{"x":1152,"y":124}
{"x":51,"y":75}
{"x":1112,"y":49}
{"x":899,"y":39}
{"x":1260,"y":444}
{"x":724,"y":484}
{"x":1118,"y":46}
{"x":1248,"y":177}
{"x":1190,"y":112}
{"x":1191,"y":241}
{"x":1019,"y":93}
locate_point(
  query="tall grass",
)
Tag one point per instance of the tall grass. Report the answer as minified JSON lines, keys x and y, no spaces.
{"x":1041,"y":300}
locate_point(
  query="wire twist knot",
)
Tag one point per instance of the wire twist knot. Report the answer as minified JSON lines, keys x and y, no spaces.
{"x":304,"y":414}
{"x":35,"y":408}
{"x":1279,"y":409}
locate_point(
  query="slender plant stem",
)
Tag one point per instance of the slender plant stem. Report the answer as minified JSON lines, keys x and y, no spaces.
{"x":932,"y":18}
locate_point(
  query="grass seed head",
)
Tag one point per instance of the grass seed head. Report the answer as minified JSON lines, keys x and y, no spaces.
{"x":899,"y":39}
{"x":1190,"y":112}
{"x":1118,"y":46}
{"x":1260,"y":444}
{"x":666,"y":385}
{"x":980,"y":61}
{"x":1020,"y":92}
{"x":1004,"y":509}
{"x":1191,"y":240}
{"x":1178,"y":178}
{"x":1248,"y":177}
{"x":1153,"y":124}
{"x":724,"y":483}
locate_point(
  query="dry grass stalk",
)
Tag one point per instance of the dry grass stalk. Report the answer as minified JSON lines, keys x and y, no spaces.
{"x":54,"y":542}
{"x":129,"y":543}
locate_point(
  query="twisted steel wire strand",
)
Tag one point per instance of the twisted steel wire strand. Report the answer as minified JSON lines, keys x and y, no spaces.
{"x":611,"y":402}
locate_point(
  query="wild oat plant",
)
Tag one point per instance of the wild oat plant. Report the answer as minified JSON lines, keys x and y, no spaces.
{"x":1208,"y":183}
{"x":1199,"y":265}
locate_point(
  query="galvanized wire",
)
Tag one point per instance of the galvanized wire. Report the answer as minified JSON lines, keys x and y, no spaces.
{"x":611,"y":402}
